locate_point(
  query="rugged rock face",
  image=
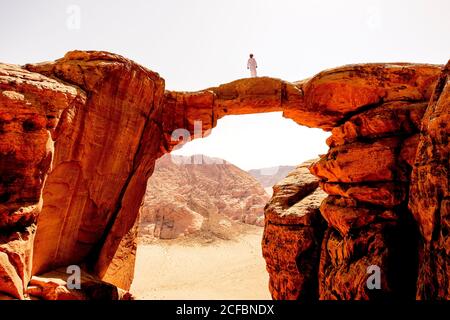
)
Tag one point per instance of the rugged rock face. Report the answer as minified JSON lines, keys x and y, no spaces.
{"x":111,"y":119}
{"x":429,"y":199}
{"x":100,"y":170}
{"x":190,"y":194}
{"x":53,"y":286}
{"x":367,"y":173}
{"x":33,"y":110}
{"x":293,"y":235}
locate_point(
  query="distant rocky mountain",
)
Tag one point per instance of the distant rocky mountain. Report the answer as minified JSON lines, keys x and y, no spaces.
{"x":270,"y":176}
{"x":186,"y":195}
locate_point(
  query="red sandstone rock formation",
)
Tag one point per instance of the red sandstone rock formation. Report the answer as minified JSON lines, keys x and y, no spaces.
{"x":111,"y":120}
{"x":53,"y":286}
{"x":429,"y":198}
{"x":33,"y":113}
{"x":293,"y":235}
{"x":367,"y":173}
{"x":190,"y":194}
{"x":102,"y":162}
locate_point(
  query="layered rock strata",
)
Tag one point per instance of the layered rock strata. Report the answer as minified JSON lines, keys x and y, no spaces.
{"x":429,"y":195}
{"x":102,"y":162}
{"x":293,"y":235}
{"x":366,"y":174}
{"x":33,"y":113}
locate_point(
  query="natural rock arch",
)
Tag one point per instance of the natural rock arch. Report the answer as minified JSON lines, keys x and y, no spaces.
{"x":111,"y":119}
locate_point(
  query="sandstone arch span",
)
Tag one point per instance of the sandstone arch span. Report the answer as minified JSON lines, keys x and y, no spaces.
{"x":110,"y":119}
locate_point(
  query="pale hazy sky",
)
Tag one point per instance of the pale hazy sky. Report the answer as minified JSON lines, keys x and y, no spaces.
{"x":195,"y":44}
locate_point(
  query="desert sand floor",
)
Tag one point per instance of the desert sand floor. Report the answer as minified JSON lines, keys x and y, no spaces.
{"x":224,"y":269}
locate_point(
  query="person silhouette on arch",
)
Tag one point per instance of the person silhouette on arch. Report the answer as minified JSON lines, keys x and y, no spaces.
{"x":252,"y":65}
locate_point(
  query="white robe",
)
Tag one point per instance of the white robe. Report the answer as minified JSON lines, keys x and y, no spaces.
{"x":251,"y":64}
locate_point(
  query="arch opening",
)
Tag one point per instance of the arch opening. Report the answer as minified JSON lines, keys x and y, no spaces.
{"x":202,"y":219}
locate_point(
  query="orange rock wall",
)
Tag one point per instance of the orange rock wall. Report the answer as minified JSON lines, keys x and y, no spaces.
{"x":33,"y":110}
{"x":429,"y":199}
{"x":102,"y":162}
{"x":293,"y":235}
{"x":367,"y":174}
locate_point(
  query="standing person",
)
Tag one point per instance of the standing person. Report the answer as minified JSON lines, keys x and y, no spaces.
{"x":252,"y":65}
